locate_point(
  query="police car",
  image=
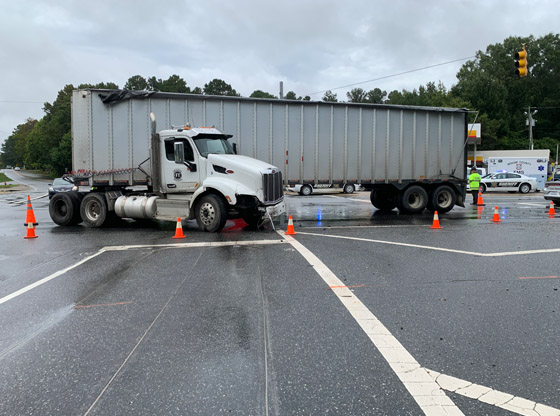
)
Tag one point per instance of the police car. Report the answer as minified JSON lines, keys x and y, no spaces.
{"x":510,"y":182}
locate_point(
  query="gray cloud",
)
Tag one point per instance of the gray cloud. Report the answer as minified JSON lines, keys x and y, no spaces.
{"x":310,"y":45}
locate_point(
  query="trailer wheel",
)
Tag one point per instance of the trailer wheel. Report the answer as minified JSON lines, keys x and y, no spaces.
{"x":64,"y":208}
{"x":211,"y":213}
{"x":443,"y":199}
{"x":305,"y":190}
{"x":383,"y":200}
{"x":348,"y":188}
{"x":412,"y":200}
{"x":94,"y":209}
{"x":524,"y":188}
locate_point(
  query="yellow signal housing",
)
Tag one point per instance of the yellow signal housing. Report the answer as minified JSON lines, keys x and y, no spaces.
{"x":521,"y":63}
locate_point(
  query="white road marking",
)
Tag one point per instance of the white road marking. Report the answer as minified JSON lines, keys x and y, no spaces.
{"x":425,"y":391}
{"x":449,"y":250}
{"x":493,"y":397}
{"x":48,"y":278}
{"x":535,"y":204}
{"x":429,"y":395}
{"x":132,"y":247}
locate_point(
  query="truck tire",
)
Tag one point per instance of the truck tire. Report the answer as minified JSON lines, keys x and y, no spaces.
{"x":383,"y":200}
{"x":305,"y":190}
{"x":442,"y":199}
{"x":211,"y":213}
{"x":413,"y":200}
{"x":348,"y":188}
{"x":94,"y":209}
{"x":64,"y":208}
{"x":524,"y":188}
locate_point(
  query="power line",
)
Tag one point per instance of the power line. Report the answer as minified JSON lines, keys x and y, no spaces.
{"x":395,"y":75}
{"x":22,"y":102}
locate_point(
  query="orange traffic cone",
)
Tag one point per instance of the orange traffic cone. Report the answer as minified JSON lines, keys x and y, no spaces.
{"x":30,"y":215}
{"x":496,"y":217}
{"x":179,"y":230}
{"x":436,"y":221}
{"x":480,"y":201}
{"x":31,"y":231}
{"x":290,"y":230}
{"x":551,"y":212}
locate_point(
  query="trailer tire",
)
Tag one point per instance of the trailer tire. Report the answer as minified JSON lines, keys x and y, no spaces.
{"x":348,"y":188}
{"x":64,"y":208}
{"x":413,"y":200}
{"x":211,"y":213}
{"x":524,"y":188}
{"x":94,"y":209}
{"x":305,"y":190}
{"x":442,"y":199}
{"x":383,"y":200}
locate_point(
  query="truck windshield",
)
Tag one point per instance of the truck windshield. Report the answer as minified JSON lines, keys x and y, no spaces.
{"x":213,"y":144}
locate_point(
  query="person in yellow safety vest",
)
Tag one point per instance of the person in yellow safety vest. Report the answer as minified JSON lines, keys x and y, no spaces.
{"x":474,"y":183}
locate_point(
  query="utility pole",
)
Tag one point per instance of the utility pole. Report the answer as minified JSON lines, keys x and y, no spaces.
{"x":530,"y":122}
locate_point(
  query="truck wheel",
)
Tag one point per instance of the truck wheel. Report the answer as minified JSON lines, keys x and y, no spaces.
{"x":412,"y":200}
{"x":348,"y":188}
{"x":443,"y":199}
{"x":383,"y":201}
{"x":211,"y":213}
{"x":524,"y":188}
{"x":305,"y":190}
{"x":94,"y":209}
{"x":64,"y":208}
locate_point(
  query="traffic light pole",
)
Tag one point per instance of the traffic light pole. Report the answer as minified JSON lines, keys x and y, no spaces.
{"x":530,"y":123}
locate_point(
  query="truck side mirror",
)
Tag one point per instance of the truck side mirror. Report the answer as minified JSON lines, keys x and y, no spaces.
{"x":179,"y":153}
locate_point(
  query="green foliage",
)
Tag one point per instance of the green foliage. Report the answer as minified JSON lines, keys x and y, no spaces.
{"x":13,"y":148}
{"x":330,"y":97}
{"x":290,"y":95}
{"x":358,"y":95}
{"x":261,"y":94}
{"x":136,"y":82}
{"x":219,"y":87}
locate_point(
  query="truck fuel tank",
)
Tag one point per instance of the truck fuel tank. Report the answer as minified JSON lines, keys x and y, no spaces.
{"x":136,"y":206}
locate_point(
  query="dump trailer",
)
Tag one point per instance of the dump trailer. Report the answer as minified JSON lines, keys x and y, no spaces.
{"x":124,"y":167}
{"x":411,"y":158}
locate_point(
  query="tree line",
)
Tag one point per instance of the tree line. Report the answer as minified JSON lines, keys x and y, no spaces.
{"x":486,"y":84}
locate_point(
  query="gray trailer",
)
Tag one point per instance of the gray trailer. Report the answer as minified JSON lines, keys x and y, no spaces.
{"x":411,"y":158}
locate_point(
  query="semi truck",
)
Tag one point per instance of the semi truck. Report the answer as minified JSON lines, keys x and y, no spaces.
{"x":407,"y":157}
{"x":124,"y":167}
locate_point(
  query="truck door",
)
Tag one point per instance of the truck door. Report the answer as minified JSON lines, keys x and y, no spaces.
{"x":179,"y":177}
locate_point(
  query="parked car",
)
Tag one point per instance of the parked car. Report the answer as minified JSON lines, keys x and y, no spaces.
{"x":59,"y":185}
{"x":17,"y":168}
{"x":510,"y":182}
{"x":552,"y":192}
{"x":308,"y":189}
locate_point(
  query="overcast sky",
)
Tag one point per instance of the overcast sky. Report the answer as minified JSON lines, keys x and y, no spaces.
{"x":310,"y":45}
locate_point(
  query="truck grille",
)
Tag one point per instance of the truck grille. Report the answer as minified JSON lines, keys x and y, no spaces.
{"x":272,"y":187}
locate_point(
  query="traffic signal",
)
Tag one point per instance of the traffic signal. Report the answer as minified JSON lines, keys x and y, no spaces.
{"x":521,"y":62}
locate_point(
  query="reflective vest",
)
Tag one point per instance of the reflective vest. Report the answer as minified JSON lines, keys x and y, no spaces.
{"x":474,"y":181}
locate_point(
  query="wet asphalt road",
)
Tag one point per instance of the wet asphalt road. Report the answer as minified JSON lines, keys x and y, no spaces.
{"x":246,"y":325}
